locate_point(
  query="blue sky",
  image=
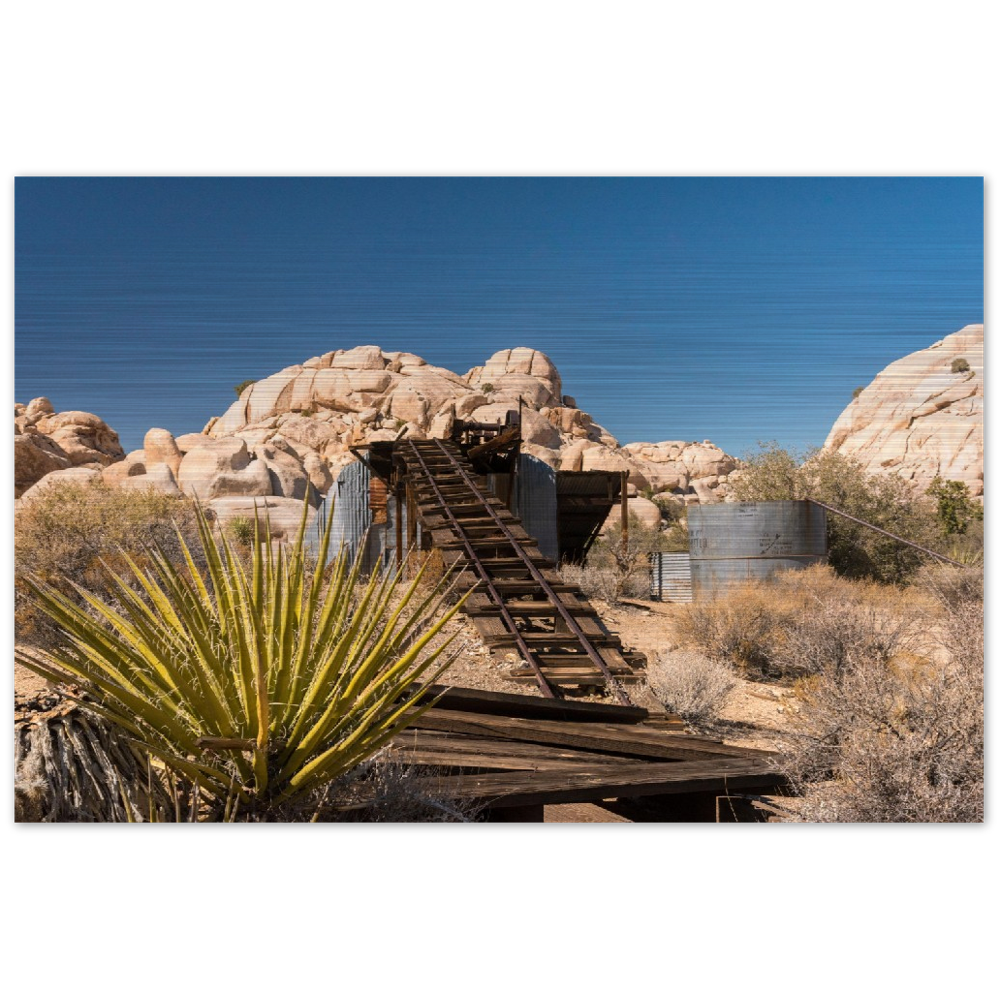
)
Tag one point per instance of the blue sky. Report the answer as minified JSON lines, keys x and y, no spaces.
{"x":733,"y":309}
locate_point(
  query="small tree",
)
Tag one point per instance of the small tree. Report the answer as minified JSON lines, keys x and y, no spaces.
{"x":886,"y":501}
{"x":857,"y":392}
{"x":628,"y":559}
{"x":956,"y":509}
{"x":959,"y":365}
{"x":238,"y":389}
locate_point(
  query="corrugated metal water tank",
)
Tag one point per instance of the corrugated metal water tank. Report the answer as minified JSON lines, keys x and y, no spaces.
{"x":732,"y":543}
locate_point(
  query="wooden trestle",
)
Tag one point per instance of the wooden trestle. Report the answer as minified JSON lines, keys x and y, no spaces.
{"x":520,"y":601}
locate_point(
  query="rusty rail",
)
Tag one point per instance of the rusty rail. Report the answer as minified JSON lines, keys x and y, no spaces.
{"x":460,"y":533}
{"x":538,"y":578}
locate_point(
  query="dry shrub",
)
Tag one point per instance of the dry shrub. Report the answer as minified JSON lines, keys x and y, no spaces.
{"x":615,"y":568}
{"x":606,"y":583}
{"x":801,"y":622}
{"x":381,"y":790}
{"x":691,"y":685}
{"x":900,"y":745}
{"x":72,"y":767}
{"x":73,"y":534}
{"x":743,"y":628}
{"x":951,"y":585}
{"x":901,"y":737}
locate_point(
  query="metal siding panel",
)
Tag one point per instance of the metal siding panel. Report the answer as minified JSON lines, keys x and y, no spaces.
{"x":537,"y":503}
{"x":670,"y":576}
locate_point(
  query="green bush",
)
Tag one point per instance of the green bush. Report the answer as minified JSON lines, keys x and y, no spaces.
{"x":487,"y":387}
{"x":960,"y":365}
{"x":238,"y":389}
{"x":956,"y":509}
{"x":886,"y":501}
{"x":857,"y":392}
{"x":241,"y":528}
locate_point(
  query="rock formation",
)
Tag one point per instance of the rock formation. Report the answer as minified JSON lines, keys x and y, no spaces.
{"x":922,"y":416}
{"x":288,"y":435}
{"x":47,"y":442}
{"x":321,"y":408}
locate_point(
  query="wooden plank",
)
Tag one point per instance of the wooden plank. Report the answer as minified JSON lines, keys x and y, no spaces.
{"x":533,"y":707}
{"x":578,"y":661}
{"x":522,"y":788}
{"x":738,"y":809}
{"x":547,"y":640}
{"x":430,"y":739}
{"x":618,"y":738}
{"x":479,"y":604}
{"x":493,"y":542}
{"x":429,"y":757}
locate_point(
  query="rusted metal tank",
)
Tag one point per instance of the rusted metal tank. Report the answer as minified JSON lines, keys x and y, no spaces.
{"x":732,"y":543}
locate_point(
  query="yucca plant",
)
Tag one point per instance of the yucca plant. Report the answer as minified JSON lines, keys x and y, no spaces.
{"x":260,"y":680}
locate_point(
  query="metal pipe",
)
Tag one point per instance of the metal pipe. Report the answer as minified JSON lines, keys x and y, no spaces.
{"x":904,"y":541}
{"x":398,"y":513}
{"x":624,"y":499}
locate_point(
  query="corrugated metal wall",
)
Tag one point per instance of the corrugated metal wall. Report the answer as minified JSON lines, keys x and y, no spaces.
{"x":670,"y":576}
{"x":535,"y":502}
{"x":353,"y":515}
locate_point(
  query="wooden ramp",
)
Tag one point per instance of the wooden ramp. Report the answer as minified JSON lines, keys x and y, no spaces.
{"x":520,"y":601}
{"x":513,"y":755}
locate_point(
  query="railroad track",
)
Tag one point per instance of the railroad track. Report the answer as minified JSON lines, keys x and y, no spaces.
{"x":520,"y":602}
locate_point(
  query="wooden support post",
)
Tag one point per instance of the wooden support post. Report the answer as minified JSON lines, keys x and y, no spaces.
{"x":399,"y":525}
{"x":411,"y":520}
{"x":624,"y":509}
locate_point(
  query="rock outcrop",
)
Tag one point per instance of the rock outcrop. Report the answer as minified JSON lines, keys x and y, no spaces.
{"x":922,"y":416}
{"x":288,"y":435}
{"x":46,"y":442}
{"x":316,"y":411}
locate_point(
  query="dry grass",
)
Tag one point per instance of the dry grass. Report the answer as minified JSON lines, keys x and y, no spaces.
{"x":605,"y":582}
{"x":801,"y":623}
{"x":75,"y":534}
{"x":690,"y":684}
